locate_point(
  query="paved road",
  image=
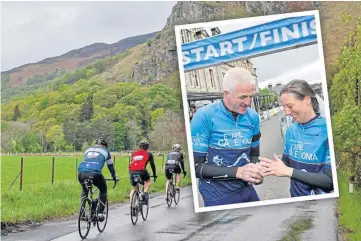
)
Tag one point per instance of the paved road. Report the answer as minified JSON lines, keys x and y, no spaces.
{"x":181,"y":223}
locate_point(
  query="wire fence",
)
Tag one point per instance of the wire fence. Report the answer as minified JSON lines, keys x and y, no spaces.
{"x":62,"y":165}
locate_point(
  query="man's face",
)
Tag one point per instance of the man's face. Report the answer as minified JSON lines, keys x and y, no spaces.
{"x":241,"y":98}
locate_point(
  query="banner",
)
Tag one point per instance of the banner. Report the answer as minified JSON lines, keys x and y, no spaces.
{"x":250,"y":42}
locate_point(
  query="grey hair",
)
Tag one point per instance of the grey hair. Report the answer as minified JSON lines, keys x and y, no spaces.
{"x":301,"y":89}
{"x":236,"y":76}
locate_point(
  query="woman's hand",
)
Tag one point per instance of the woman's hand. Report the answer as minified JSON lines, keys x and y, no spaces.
{"x":275,"y":167}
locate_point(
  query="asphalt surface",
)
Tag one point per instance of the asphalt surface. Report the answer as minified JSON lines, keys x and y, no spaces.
{"x":182,"y":223}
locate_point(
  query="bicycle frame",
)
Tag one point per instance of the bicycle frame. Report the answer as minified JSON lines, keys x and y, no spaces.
{"x":93,"y":211}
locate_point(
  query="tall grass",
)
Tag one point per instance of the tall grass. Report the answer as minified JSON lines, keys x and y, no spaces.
{"x":349,"y":209}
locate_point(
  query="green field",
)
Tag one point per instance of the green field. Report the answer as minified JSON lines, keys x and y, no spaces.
{"x":349,"y":209}
{"x":40,"y":200}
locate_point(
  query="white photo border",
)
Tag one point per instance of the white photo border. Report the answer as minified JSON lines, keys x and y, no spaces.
{"x":198,"y":209}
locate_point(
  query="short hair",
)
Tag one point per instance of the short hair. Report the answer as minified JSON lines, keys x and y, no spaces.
{"x":301,"y":89}
{"x":236,"y":76}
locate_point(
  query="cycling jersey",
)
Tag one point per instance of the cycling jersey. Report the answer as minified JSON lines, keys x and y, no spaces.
{"x":307,"y":149}
{"x":94,"y":160}
{"x":139,"y":160}
{"x":226,"y":141}
{"x":174,"y":158}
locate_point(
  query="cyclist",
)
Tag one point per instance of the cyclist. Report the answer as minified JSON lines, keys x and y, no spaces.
{"x":175,"y":162}
{"x":138,"y":166}
{"x":91,"y":167}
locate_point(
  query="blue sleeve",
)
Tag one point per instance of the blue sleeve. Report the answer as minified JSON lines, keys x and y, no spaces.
{"x":286,"y":146}
{"x":201,"y":132}
{"x":256,"y":133}
{"x":109,"y":158}
{"x":327,"y":160}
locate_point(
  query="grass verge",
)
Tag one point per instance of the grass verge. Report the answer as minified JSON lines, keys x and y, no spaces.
{"x":349,"y":209}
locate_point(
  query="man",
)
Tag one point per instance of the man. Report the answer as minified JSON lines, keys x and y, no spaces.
{"x":225,"y":137}
{"x":140,"y":160}
{"x":175,"y":162}
{"x":91,"y":167}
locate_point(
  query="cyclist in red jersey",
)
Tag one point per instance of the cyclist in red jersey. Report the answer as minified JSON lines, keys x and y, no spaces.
{"x":138,"y":166}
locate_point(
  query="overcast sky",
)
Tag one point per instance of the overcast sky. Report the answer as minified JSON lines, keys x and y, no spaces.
{"x":33,"y":31}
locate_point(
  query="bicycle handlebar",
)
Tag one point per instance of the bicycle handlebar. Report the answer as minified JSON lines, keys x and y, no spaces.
{"x":111,"y":179}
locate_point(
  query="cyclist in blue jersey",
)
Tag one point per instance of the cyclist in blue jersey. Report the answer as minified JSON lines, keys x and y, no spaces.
{"x":306,"y":153}
{"x":225,"y":138}
{"x":91,"y":167}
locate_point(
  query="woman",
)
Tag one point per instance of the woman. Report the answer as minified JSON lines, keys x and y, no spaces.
{"x":306,"y":154}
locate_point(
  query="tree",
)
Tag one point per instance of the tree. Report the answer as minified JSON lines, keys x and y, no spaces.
{"x":119,"y":136}
{"x":31,"y":143}
{"x":347,"y":137}
{"x":86,"y":112}
{"x":16,"y":113}
{"x":56,"y":136}
{"x":345,"y":103}
{"x":155,"y":115}
{"x":133,"y":134}
{"x":168,"y":130}
{"x":102,"y":128}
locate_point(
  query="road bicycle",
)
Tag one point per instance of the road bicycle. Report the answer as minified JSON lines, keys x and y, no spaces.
{"x":173,"y":193}
{"x":137,"y":203}
{"x":89,"y":210}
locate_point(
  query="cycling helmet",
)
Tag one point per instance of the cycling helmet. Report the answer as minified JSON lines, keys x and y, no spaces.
{"x":177,"y":147}
{"x":101,"y":141}
{"x":143,"y":145}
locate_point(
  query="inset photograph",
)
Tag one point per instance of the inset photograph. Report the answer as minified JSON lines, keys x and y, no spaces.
{"x":257,"y":111}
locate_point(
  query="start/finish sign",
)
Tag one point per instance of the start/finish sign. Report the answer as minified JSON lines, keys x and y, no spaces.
{"x":251,"y":42}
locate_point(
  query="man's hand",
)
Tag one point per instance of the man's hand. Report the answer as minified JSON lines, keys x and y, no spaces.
{"x":115,"y":178}
{"x":184,"y":173}
{"x":262,"y":176}
{"x":275,"y":167}
{"x":251,"y":172}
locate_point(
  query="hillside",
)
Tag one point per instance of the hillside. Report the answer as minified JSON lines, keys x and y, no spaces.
{"x":72,"y":60}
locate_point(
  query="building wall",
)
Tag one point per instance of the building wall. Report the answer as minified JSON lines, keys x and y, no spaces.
{"x":209,"y":80}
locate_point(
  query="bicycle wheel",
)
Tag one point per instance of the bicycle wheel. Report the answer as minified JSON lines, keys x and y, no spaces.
{"x":169,"y":194}
{"x":176,"y":195}
{"x":134,"y":207}
{"x":102,"y":223}
{"x":84,"y":218}
{"x":144,"y":210}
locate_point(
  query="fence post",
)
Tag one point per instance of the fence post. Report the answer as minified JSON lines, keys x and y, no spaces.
{"x":114,"y":160}
{"x":21,"y":172}
{"x":52,"y":171}
{"x":76,"y":169}
{"x":162,"y":160}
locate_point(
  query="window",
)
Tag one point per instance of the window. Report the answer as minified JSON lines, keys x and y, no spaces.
{"x":212,"y":78}
{"x":196,"y":78}
{"x":223,"y":74}
{"x":190,"y":77}
{"x":188,"y":38}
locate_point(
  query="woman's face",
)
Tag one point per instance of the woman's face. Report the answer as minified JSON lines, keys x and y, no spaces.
{"x":300,"y":110}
